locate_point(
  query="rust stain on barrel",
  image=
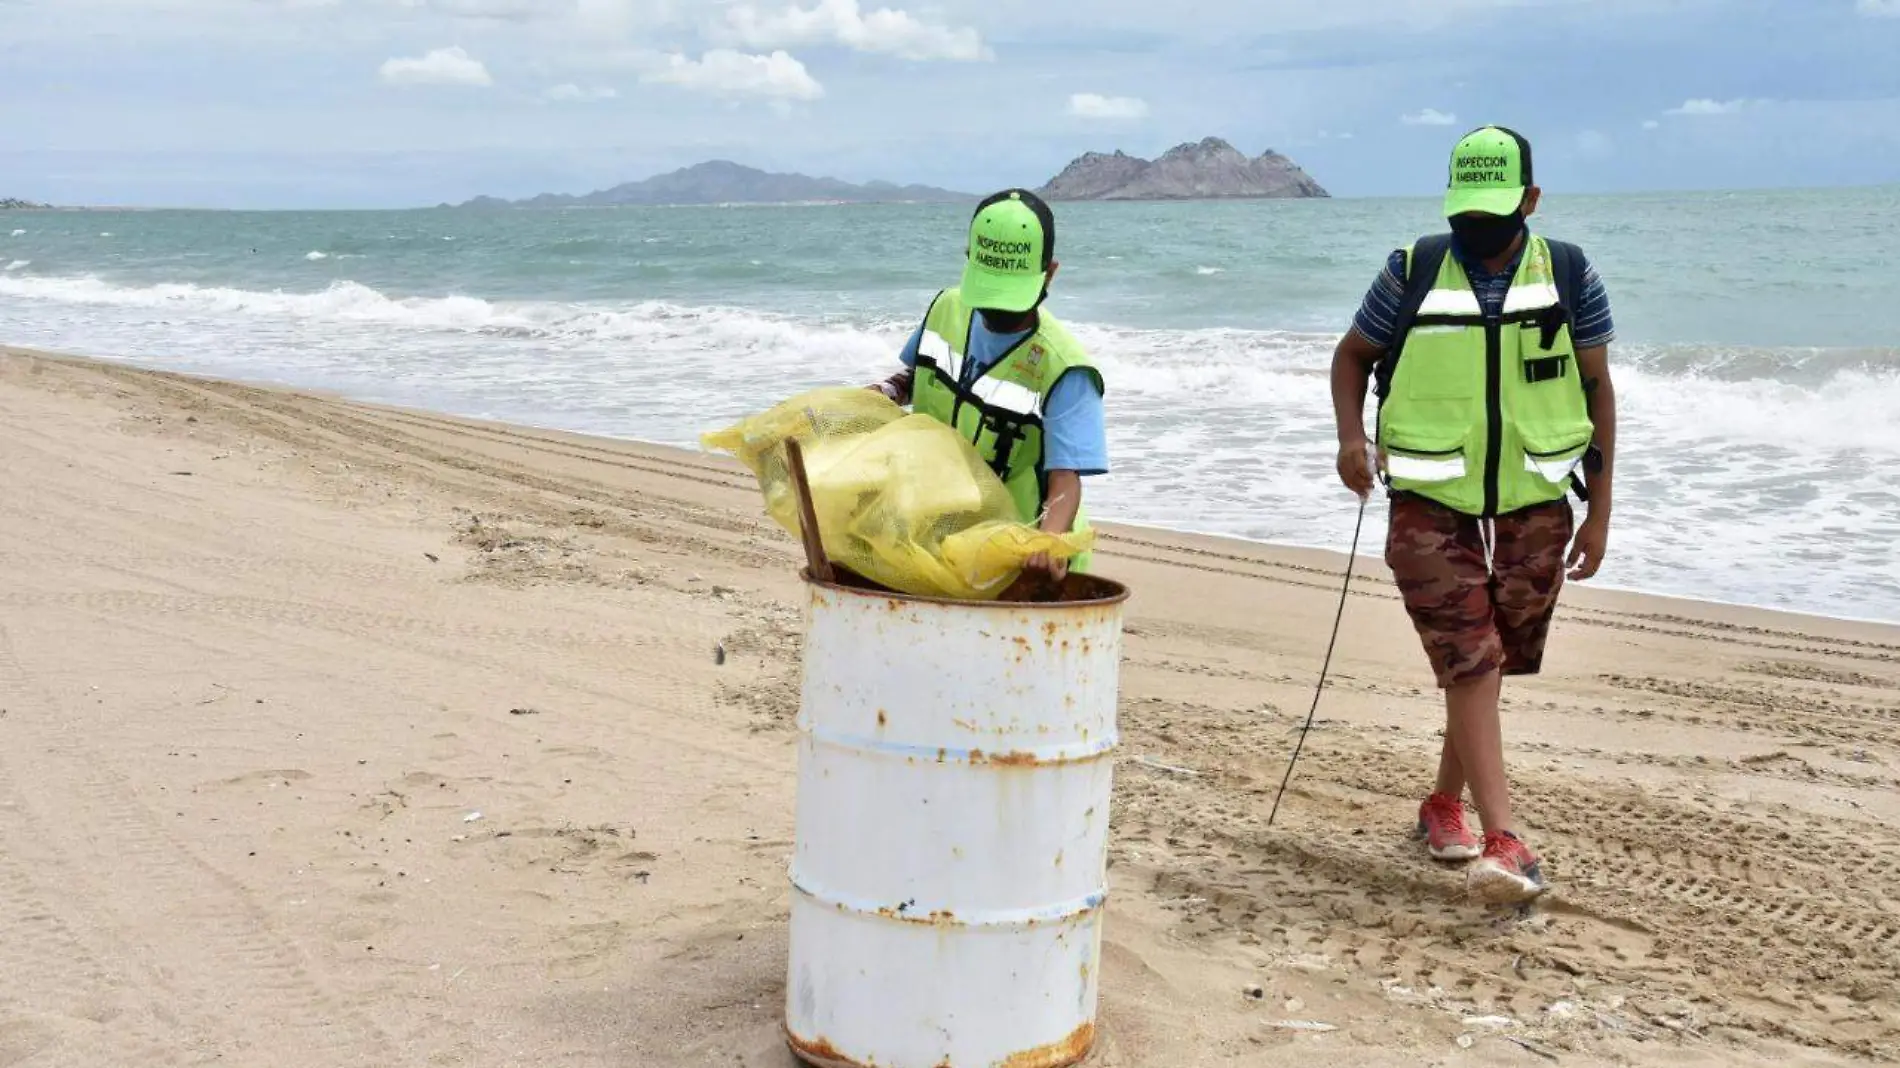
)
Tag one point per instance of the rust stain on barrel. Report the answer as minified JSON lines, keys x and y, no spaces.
{"x":1070,"y":1050}
{"x":882,"y":719}
{"x":1013,"y":759}
{"x":821,"y":1050}
{"x":940,"y":918}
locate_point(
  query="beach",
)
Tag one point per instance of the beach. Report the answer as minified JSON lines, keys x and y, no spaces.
{"x":335,"y":733}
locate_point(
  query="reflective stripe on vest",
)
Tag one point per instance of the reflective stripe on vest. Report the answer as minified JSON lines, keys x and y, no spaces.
{"x":991,"y":391}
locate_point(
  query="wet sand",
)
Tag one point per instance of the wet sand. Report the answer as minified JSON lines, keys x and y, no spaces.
{"x":335,"y":734}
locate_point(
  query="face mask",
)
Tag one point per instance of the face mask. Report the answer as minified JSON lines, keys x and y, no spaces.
{"x":1487,"y":236}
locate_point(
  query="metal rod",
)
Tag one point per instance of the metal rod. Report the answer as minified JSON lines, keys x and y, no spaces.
{"x":1344,"y":591}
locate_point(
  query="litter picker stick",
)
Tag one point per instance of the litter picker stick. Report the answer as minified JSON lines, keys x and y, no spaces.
{"x":807,"y":515}
{"x":1344,"y":590}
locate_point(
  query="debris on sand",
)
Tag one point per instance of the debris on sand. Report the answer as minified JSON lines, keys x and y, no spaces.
{"x":1150,"y":762}
{"x":1313,"y":1026}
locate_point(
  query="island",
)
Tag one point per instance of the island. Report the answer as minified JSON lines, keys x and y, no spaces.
{"x":726,"y":182}
{"x":11,"y":204}
{"x":1211,"y":169}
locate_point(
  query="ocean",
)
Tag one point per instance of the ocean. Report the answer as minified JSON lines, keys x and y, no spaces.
{"x":1757,"y":364}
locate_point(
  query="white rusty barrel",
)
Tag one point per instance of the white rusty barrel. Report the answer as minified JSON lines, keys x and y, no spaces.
{"x":950,"y":869}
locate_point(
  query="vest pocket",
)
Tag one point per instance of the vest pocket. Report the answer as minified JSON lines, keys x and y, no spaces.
{"x":1440,"y":363}
{"x":1412,"y":456}
{"x":1553,"y":453}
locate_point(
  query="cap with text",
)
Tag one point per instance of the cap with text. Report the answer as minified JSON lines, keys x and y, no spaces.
{"x":1012,"y":243}
{"x":1490,"y":170}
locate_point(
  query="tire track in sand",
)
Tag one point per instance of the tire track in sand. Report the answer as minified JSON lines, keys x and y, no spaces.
{"x":209,"y":923}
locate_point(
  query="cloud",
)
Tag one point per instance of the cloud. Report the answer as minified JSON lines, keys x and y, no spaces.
{"x":1702,"y":107}
{"x":572,"y":92}
{"x":843,"y":22}
{"x":442,"y":66}
{"x":1429,"y":117}
{"x":1650,"y":124}
{"x":1097,"y":106}
{"x":1880,"y":8}
{"x":723,"y":72}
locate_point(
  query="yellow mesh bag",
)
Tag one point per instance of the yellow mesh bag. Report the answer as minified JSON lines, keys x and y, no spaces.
{"x":901,"y":499}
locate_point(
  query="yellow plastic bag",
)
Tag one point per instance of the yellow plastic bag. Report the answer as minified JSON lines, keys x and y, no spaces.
{"x":901,"y":499}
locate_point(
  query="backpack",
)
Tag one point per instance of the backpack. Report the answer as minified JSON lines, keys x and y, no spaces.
{"x":1428,"y":255}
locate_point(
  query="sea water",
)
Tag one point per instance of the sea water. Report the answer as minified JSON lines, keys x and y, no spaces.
{"x":1757,"y":360}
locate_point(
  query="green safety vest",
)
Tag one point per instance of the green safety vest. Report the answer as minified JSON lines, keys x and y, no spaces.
{"x":1487,"y":416}
{"x":1000,"y":413}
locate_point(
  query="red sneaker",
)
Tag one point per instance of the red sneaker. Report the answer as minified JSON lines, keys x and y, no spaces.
{"x":1441,"y":822}
{"x":1507,"y":874}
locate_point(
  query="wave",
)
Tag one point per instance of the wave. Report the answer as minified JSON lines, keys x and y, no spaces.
{"x":18,"y":264}
{"x":1208,"y":271}
{"x":315,"y":256}
{"x":19,"y":233}
{"x":656,"y":323}
{"x":1828,"y":399}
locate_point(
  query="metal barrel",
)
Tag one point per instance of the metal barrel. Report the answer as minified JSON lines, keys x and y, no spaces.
{"x":954,"y":767}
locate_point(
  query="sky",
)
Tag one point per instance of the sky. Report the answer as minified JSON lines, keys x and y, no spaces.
{"x":395,"y":103}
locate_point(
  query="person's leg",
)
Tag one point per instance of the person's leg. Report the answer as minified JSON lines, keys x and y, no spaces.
{"x":1527,"y":563}
{"x":1451,"y":770}
{"x":1478,"y":740}
{"x":1438,"y":563}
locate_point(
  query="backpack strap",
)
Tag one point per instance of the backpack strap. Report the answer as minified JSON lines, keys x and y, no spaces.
{"x":1566,"y":267}
{"x":1421,"y":271}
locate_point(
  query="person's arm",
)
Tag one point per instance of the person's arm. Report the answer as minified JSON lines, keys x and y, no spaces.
{"x":1353,"y":361}
{"x":897,"y":386}
{"x":1594,"y":329}
{"x":1074,"y":444}
{"x":1593,"y":536}
{"x":1063,"y":503}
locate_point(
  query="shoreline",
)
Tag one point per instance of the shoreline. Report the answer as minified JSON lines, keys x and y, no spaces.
{"x":1681,"y":603}
{"x":447,"y":741}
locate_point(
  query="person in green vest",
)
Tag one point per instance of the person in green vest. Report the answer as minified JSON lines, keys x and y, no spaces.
{"x":990,"y":360}
{"x":1489,"y":349}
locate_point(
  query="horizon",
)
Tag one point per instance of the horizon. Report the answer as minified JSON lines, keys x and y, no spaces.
{"x":1422,"y":197}
{"x":288,"y":104}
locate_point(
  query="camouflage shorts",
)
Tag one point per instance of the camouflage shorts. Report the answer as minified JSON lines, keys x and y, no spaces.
{"x":1475,"y":619}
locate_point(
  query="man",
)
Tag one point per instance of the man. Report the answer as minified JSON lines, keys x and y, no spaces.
{"x":1494,"y":385}
{"x":992,"y":362}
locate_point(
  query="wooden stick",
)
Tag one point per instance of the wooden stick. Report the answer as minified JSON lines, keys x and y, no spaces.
{"x":807,"y":515}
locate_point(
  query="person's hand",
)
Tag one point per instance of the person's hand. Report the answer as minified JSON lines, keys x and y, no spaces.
{"x":1057,"y":569}
{"x":1586,"y":550}
{"x":1355,"y":466}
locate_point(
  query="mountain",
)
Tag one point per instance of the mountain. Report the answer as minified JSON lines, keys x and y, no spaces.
{"x":725,"y":182}
{"x":9,"y":204}
{"x":1209,"y":170}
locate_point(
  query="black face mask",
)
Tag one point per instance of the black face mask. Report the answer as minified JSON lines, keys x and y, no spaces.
{"x":1002,"y":322}
{"x":1487,"y":236}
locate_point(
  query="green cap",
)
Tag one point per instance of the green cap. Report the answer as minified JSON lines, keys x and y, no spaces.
{"x":1012,"y":243}
{"x":1490,"y":170}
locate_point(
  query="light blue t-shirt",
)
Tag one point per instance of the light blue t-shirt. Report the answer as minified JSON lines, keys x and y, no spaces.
{"x":1074,"y":425}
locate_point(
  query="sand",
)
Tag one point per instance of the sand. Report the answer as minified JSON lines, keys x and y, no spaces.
{"x":339,"y":735}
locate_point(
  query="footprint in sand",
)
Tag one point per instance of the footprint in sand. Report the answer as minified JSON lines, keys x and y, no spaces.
{"x":583,"y":951}
{"x":275,"y":777}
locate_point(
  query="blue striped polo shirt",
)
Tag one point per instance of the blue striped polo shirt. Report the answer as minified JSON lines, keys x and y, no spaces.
{"x":1590,"y":323}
